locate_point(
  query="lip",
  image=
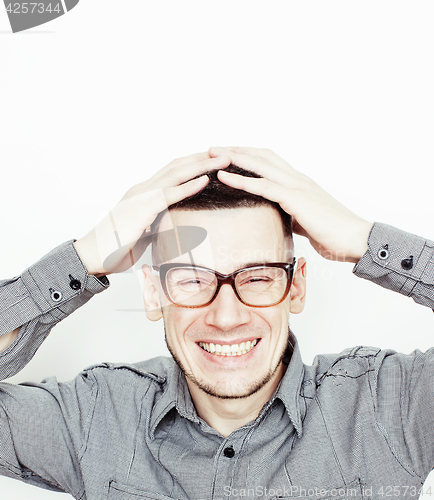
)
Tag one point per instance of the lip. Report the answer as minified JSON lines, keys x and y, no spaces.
{"x":229,"y":342}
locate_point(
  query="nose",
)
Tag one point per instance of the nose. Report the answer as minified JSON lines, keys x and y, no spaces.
{"x":226,"y":311}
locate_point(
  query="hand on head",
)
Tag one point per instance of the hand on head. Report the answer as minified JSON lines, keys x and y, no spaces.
{"x":334,"y":231}
{"x":119,"y":240}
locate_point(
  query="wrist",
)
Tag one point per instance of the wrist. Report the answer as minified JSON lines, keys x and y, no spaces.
{"x":360,"y":242}
{"x":84,"y":252}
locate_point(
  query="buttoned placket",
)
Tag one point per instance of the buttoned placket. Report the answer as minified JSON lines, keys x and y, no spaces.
{"x":228,"y":458}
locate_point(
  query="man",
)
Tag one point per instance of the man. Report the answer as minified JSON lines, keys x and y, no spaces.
{"x":237,"y":414}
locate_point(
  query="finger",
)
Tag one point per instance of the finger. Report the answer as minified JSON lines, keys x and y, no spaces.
{"x":178,"y":174}
{"x":189,"y":159}
{"x":153,"y":201}
{"x":260,"y":153}
{"x":172,"y":195}
{"x":184,"y":172}
{"x":261,"y":187}
{"x":262,"y":167}
{"x":266,"y":189}
{"x":149,"y":204}
{"x":256,"y":152}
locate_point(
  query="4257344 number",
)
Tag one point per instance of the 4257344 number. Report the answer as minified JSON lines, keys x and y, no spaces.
{"x":401,"y":492}
{"x":33,"y":8}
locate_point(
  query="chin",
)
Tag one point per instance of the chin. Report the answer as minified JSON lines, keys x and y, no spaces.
{"x":229,"y":391}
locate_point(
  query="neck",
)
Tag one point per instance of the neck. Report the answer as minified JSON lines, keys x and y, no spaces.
{"x":227,"y":415}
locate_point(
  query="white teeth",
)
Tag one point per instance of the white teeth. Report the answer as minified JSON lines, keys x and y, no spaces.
{"x":229,"y":350}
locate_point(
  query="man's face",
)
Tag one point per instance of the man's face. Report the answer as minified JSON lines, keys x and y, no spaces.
{"x":236,"y":238}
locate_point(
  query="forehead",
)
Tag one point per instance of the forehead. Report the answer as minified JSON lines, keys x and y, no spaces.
{"x":229,"y":238}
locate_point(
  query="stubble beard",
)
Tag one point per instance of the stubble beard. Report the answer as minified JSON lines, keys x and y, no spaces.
{"x":212,"y":390}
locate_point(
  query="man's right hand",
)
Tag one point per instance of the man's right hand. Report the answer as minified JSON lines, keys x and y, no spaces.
{"x":117,"y":238}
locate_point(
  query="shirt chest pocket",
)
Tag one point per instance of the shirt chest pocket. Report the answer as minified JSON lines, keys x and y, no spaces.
{"x":118,"y":491}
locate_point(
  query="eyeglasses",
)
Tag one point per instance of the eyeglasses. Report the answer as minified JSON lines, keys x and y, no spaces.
{"x":191,"y":286}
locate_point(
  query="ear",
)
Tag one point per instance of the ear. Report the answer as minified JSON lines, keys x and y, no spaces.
{"x":151,"y":295}
{"x":298,"y":288}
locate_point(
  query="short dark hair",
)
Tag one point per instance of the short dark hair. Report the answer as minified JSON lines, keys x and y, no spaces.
{"x":217,"y":196}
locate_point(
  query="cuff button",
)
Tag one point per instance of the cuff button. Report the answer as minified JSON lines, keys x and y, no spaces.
{"x":407,"y":263}
{"x":74,"y":283}
{"x":55,"y":295}
{"x":383,"y":253}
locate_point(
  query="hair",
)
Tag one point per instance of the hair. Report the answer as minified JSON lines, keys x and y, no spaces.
{"x":218,"y":196}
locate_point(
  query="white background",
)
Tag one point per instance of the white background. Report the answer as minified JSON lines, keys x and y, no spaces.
{"x":106,"y":95}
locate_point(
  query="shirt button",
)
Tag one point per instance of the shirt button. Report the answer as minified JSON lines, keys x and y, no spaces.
{"x":55,"y":295}
{"x":383,"y":252}
{"x":407,"y":263}
{"x":229,"y":452}
{"x":75,"y":284}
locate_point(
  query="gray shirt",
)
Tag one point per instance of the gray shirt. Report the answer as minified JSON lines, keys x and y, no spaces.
{"x":354,"y":425}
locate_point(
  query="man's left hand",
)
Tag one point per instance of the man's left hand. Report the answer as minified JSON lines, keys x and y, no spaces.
{"x":333,"y":230}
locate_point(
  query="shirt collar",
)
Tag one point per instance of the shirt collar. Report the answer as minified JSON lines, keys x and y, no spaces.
{"x":289,"y":388}
{"x":177,"y":395}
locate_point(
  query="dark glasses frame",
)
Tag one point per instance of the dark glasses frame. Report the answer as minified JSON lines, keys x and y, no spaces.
{"x":226,"y":279}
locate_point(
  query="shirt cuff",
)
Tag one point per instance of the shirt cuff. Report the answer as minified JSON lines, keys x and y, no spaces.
{"x":399,"y":261}
{"x":57,"y":284}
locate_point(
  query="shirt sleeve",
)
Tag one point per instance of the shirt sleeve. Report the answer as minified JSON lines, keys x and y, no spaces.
{"x":404,"y":403}
{"x":44,"y":430}
{"x":43,"y":295}
{"x":399,"y":261}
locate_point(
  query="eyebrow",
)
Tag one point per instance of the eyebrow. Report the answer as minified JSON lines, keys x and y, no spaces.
{"x":253,"y":264}
{"x":244,"y":265}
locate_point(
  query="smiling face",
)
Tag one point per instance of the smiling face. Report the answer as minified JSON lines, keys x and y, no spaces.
{"x":228,"y":349}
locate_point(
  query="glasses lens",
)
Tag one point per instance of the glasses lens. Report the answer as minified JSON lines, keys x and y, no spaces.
{"x":262,"y":286}
{"x":189,"y":286}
